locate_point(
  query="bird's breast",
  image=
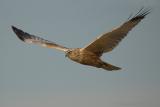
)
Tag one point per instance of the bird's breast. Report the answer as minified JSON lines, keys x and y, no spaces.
{"x":84,"y":57}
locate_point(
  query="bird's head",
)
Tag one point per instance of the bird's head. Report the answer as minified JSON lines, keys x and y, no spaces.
{"x":68,"y":52}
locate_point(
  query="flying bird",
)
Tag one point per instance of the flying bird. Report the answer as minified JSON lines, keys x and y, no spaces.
{"x":91,"y":53}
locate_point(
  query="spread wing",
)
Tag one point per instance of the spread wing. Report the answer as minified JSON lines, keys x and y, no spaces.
{"x":108,"y":41}
{"x":28,"y":38}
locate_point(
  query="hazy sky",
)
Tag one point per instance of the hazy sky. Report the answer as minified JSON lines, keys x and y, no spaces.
{"x":32,"y":76}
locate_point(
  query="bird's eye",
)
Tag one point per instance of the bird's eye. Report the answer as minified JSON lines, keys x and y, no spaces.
{"x":69,"y":52}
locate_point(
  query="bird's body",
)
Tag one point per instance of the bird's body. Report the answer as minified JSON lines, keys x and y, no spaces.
{"x":90,"y":54}
{"x":88,"y":58}
{"x":83,"y":57}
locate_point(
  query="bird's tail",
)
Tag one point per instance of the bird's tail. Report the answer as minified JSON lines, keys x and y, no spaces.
{"x":110,"y":67}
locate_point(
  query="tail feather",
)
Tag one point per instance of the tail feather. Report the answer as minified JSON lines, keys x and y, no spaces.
{"x":110,"y":67}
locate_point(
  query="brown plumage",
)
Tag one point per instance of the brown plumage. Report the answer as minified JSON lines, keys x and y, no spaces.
{"x":90,"y":54}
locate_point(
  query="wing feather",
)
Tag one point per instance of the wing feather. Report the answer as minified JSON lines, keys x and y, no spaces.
{"x":108,"y":41}
{"x":28,"y":38}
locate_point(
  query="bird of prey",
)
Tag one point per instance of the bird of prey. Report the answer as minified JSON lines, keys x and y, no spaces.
{"x":90,"y":54}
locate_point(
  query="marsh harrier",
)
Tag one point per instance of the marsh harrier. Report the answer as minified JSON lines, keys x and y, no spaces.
{"x":90,"y":54}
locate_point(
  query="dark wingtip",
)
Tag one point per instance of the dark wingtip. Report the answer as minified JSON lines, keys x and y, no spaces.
{"x":18,"y":32}
{"x":14,"y":28}
{"x":141,"y":14}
